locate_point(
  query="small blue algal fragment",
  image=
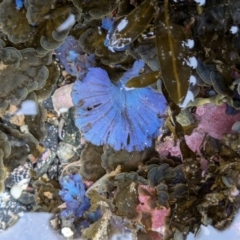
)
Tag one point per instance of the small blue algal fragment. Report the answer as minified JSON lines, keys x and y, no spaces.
{"x":19,"y":4}
{"x":73,"y":194}
{"x":111,"y":42}
{"x":107,"y":23}
{"x":109,"y":113}
{"x":72,"y":57}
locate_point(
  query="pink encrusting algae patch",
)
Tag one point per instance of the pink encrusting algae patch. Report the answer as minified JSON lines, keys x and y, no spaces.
{"x":148,"y":205}
{"x":212,"y":121}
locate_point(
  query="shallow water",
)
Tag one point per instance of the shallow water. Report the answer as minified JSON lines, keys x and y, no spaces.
{"x":31,"y":226}
{"x":36,"y":226}
{"x":209,"y":232}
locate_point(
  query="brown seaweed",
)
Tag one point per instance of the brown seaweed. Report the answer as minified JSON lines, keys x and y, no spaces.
{"x":171,"y":54}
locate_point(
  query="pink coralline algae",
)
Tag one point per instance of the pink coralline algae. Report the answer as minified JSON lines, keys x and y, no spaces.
{"x":168,"y":146}
{"x":148,"y":207}
{"x":110,"y":113}
{"x":213,"y":121}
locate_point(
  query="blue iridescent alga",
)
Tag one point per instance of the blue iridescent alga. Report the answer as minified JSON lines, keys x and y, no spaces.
{"x":110,"y":113}
{"x":19,"y":4}
{"x":73,"y":194}
{"x":72,"y":57}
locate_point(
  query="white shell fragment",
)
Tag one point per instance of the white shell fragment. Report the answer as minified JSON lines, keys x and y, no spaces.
{"x":200,"y":2}
{"x":192,"y":80}
{"x":16,"y":189}
{"x":192,"y":62}
{"x":188,"y":98}
{"x":234,"y":29}
{"x":67,"y":232}
{"x":68,"y":23}
{"x":189,"y":43}
{"x":28,"y":107}
{"x":123,"y":23}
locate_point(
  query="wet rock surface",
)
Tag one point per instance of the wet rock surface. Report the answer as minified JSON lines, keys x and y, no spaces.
{"x":120,"y":114}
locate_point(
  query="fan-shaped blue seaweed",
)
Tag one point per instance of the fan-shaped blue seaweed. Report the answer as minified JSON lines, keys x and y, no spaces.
{"x":110,"y":113}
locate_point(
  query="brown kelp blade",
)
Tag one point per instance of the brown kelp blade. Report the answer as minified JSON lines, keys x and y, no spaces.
{"x":131,"y":26}
{"x":171,"y":55}
{"x":144,"y":80}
